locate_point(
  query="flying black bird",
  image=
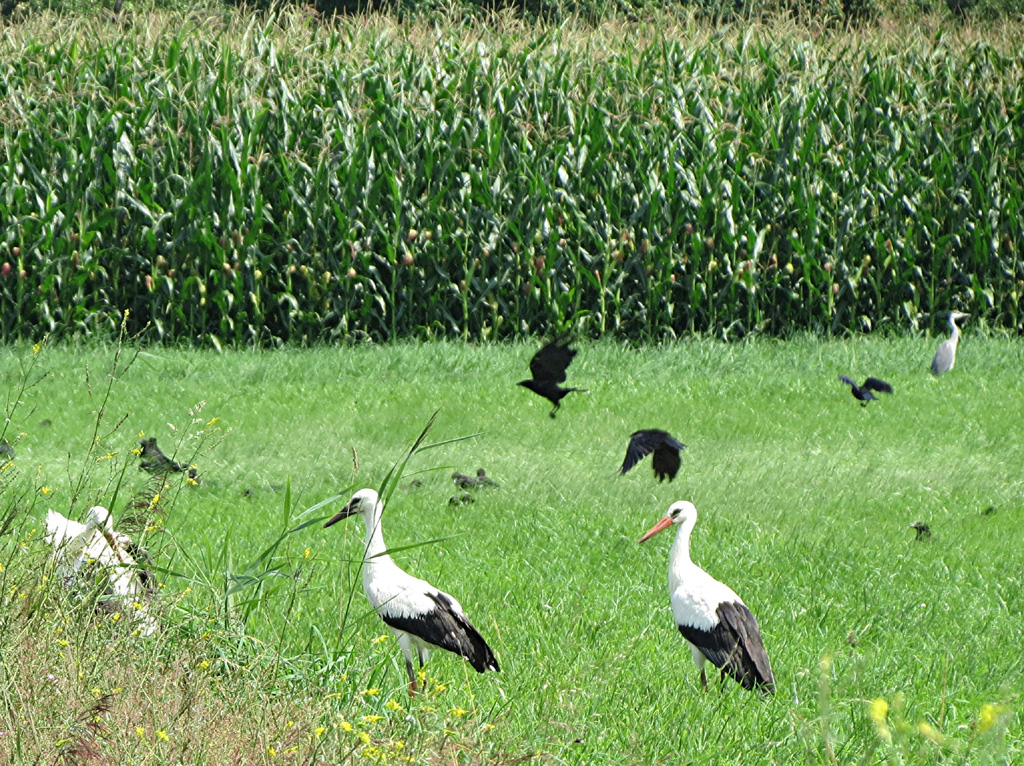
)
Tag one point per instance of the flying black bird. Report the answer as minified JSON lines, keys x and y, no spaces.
{"x":923,"y":530}
{"x":548,"y":370}
{"x":863,"y":393}
{"x":662,"y":444}
{"x":155,"y":461}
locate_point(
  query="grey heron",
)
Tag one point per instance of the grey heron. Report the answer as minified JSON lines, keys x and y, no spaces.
{"x":863,"y":393}
{"x":420,"y":615}
{"x":711,"y":617}
{"x":547,"y":370}
{"x":945,"y":357}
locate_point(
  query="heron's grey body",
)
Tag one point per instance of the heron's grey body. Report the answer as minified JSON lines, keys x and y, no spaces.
{"x":945,"y":357}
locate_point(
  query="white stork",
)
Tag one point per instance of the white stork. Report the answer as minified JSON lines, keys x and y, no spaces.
{"x":95,"y":543}
{"x":420,"y":615}
{"x":712,"y":618}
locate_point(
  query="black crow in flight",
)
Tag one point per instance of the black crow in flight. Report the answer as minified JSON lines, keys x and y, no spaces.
{"x":863,"y":393}
{"x":548,"y":370}
{"x":662,"y":444}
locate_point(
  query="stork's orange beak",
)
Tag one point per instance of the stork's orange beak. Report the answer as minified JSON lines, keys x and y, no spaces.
{"x":662,"y":525}
{"x":113,"y":545}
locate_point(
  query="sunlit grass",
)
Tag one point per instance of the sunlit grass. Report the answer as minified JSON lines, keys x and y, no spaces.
{"x":805,"y":501}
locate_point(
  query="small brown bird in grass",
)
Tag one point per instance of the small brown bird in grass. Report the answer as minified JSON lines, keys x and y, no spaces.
{"x":154,"y":460}
{"x":483,"y":480}
{"x":462,"y":481}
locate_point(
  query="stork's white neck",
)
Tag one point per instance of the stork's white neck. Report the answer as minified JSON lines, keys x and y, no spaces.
{"x":375,"y":551}
{"x":954,"y":331}
{"x":679,"y":561}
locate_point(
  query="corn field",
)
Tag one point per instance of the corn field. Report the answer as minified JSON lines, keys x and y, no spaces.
{"x":271,"y":180}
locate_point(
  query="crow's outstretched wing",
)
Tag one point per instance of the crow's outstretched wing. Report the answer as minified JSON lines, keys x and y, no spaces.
{"x":551,"y":362}
{"x":662,"y":444}
{"x":874,"y":384}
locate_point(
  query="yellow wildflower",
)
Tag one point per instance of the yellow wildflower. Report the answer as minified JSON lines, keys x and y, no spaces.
{"x":140,"y":732}
{"x":345,"y":726}
{"x":363,"y":737}
{"x":320,"y":731}
{"x":379,"y":639}
{"x":373,"y":691}
{"x":162,"y":735}
{"x":392,"y":705}
{"x":372,"y":718}
{"x":213,"y":421}
{"x":989,"y":716}
{"x":928,"y":731}
{"x":45,"y":490}
{"x":458,"y":712}
{"x":878,"y":710}
{"x":204,"y":664}
{"x":36,"y":348}
{"x":305,"y":553}
{"x":271,"y":751}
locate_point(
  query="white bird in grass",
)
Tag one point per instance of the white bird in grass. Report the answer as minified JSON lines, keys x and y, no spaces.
{"x":712,"y":618}
{"x":77,"y":547}
{"x":945,"y":357}
{"x":420,"y":615}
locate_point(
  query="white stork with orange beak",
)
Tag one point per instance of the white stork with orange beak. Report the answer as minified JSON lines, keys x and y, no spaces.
{"x":420,"y":615}
{"x":712,"y":618}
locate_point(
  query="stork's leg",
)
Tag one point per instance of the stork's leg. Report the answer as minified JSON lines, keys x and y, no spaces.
{"x":703,"y":679}
{"x":552,"y":413}
{"x":412,"y":677}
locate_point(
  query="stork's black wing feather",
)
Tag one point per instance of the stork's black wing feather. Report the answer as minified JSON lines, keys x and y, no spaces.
{"x":551,"y":362}
{"x":735,"y":646}
{"x":848,"y":381}
{"x":143,"y":562}
{"x":875,"y":384}
{"x":447,"y":627}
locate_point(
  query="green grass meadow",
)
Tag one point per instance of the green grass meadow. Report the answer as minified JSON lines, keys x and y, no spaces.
{"x":804,"y":497}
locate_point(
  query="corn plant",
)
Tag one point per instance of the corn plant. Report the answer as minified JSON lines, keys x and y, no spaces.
{"x":256,"y":180}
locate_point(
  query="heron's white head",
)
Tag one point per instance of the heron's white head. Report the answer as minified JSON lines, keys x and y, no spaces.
{"x":956,"y":316}
{"x":363,"y":501}
{"x":680,"y":512}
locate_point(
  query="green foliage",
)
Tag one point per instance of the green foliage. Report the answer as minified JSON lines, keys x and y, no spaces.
{"x":230,"y":181}
{"x":886,"y":649}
